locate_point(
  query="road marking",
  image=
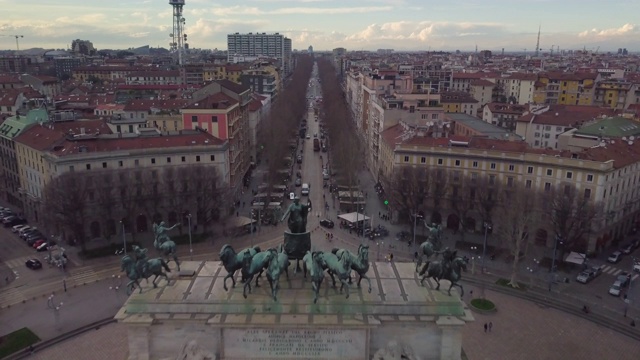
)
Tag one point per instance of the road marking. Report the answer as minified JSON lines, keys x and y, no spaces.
{"x":618,"y":271}
{"x":84,"y":276}
{"x":11,"y":296}
{"x":634,"y":277}
{"x":18,"y":263}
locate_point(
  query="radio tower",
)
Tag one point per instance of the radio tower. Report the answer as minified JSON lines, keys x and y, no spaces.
{"x":538,"y":43}
{"x":178,"y":38}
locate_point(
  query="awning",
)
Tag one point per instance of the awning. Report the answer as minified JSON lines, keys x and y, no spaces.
{"x":353,"y":217}
{"x":575,"y":258}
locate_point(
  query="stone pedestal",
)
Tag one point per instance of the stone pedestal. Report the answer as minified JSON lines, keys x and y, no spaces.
{"x":297,"y":245}
{"x":397,"y":314}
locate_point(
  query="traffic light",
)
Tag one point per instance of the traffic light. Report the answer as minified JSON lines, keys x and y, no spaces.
{"x":386,"y":202}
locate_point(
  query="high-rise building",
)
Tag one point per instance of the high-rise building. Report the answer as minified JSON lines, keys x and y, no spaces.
{"x":84,"y":47}
{"x":253,"y":46}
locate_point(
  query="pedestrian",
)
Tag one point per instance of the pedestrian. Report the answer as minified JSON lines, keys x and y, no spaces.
{"x":237,"y":213}
{"x":390,"y":257}
{"x":471,"y":294}
{"x":415,"y":255}
{"x":485,"y":327}
{"x":490,"y":326}
{"x":331,"y":236}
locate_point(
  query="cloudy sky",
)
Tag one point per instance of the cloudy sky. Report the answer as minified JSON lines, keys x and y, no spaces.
{"x":326,"y":24}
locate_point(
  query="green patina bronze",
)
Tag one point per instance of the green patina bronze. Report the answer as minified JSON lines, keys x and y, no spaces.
{"x":450,"y":268}
{"x":359,"y":263}
{"x":163,"y":242}
{"x":232,"y":262}
{"x":311,"y":264}
{"x":252,"y":266}
{"x":336,"y":266}
{"x":279,"y":263}
{"x":142,"y":268}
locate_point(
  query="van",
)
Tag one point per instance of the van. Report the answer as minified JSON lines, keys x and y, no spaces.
{"x":305,"y":189}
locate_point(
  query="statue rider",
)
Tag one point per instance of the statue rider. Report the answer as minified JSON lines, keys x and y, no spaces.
{"x":435,"y":233}
{"x":141,"y":260}
{"x":447,"y":258}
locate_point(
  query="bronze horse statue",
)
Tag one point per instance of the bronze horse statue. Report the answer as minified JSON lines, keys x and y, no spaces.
{"x":154,"y":267}
{"x":279,"y":263}
{"x":311,"y":263}
{"x":336,"y":266}
{"x":232,"y":261}
{"x":359,"y":263}
{"x":254,"y":265}
{"x":439,"y":270}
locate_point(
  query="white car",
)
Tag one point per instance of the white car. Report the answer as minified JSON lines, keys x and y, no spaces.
{"x":615,"y":257}
{"x":615,"y":289}
{"x":17,"y":228}
{"x":636,"y":267}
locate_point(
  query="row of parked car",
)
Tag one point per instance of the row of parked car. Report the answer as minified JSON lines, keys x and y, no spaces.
{"x":33,"y":237}
{"x":626,"y":249}
{"x":9,"y":218}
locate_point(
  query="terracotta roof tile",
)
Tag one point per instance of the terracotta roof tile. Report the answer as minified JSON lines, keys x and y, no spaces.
{"x":567,"y":115}
{"x":216,"y":101}
{"x":146,"y":105}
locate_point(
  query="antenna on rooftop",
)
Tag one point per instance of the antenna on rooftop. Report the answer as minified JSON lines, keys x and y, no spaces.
{"x":538,"y":43}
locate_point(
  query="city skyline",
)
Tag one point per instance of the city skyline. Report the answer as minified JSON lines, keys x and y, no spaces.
{"x":327,"y":24}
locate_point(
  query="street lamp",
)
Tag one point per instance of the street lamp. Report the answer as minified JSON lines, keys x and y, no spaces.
{"x":52,"y":305}
{"x":124,"y":237}
{"x":474,"y":249}
{"x":379,"y":243}
{"x":473,"y":265}
{"x":116,"y":281}
{"x":558,"y":239}
{"x":487,"y":227}
{"x":190,"y":244}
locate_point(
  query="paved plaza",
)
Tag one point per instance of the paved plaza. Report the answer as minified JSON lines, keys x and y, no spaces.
{"x":521,"y":330}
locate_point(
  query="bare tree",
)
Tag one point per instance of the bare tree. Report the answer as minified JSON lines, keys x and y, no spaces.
{"x":408,"y":191}
{"x":106,"y":201}
{"x":128,"y":182}
{"x":65,"y":203}
{"x":571,"y":216}
{"x":439,"y":186}
{"x":151,"y":198}
{"x":207,"y":191}
{"x":462,"y":197}
{"x":487,"y":196}
{"x":518,"y":214}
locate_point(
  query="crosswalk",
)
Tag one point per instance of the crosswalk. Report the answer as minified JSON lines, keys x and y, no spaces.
{"x":614,"y":271}
{"x":18,"y":263}
{"x":83,"y":276}
{"x":11,"y":295}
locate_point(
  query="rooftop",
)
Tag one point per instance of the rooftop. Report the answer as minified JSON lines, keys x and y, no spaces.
{"x":216,"y":101}
{"x":566,"y":115}
{"x":14,"y":125}
{"x":612,"y":127}
{"x":482,"y":127}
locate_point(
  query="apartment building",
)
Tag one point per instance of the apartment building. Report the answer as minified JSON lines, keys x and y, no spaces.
{"x":607,"y":174}
{"x":482,"y":91}
{"x":503,"y":115}
{"x":168,"y":77}
{"x":459,"y":102}
{"x":565,"y":88}
{"x":616,"y":94}
{"x":222,"y":109}
{"x":541,"y":125}
{"x":518,"y":88}
{"x":253,"y":46}
{"x":11,"y":128}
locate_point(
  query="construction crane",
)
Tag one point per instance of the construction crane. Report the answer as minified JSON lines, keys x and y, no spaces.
{"x":17,"y":42}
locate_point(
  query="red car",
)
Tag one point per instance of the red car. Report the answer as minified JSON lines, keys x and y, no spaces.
{"x":38,"y":243}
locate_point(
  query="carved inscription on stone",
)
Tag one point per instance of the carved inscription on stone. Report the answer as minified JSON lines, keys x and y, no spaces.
{"x":326,"y":344}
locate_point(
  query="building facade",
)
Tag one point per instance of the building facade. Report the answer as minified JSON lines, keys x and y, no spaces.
{"x":261,"y":45}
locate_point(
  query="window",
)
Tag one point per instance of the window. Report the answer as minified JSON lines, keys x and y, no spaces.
{"x":184,"y":159}
{"x":492,"y":179}
{"x":440,"y":161}
{"x":434,"y":116}
{"x":213,"y":158}
{"x":475,"y":164}
{"x":536,"y":134}
{"x":88,"y":166}
{"x":194,"y":118}
{"x":547,"y":186}
{"x":474,"y":177}
{"x":569,"y":175}
{"x":512,"y":167}
{"x":493,"y":166}
{"x":457,"y":162}
{"x":168,"y":160}
{"x":589,"y":178}
{"x":104,"y":165}
{"x":423,"y":160}
{"x":198,"y":158}
{"x":406,"y":159}
{"x":587,"y":193}
{"x":510,"y":181}
{"x":549,"y":172}
{"x":153,"y":160}
{"x":120,"y":163}
{"x":214,"y":118}
{"x":456,"y":175}
{"x":527,"y":184}
{"x":136,"y":162}
{"x":71,"y":168}
{"x":530,"y":170}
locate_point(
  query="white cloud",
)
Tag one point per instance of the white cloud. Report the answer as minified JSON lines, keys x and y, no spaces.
{"x":624,"y":30}
{"x":255,"y":11}
{"x":423,"y":31}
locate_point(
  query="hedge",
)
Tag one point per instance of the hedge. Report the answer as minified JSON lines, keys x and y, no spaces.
{"x":16,"y":341}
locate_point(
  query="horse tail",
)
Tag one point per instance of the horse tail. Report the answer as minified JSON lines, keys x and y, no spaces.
{"x":425,"y":267}
{"x":165,"y":265}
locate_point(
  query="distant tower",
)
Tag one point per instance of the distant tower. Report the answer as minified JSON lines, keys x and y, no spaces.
{"x":178,"y":38}
{"x":538,"y":43}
